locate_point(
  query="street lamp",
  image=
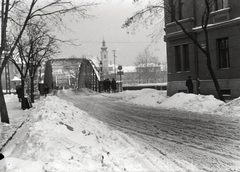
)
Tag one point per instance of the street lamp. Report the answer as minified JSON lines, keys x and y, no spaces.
{"x":101,"y":75}
{"x":1,"y":59}
{"x":115,"y":75}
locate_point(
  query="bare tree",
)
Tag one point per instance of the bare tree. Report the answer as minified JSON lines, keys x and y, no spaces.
{"x":152,"y":12}
{"x":36,"y":44}
{"x":21,"y":12}
{"x":147,"y":66}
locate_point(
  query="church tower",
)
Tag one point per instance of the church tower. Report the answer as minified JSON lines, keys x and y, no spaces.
{"x":104,"y":58}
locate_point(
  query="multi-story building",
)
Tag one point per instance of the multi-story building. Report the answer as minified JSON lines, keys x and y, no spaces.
{"x":142,"y":74}
{"x":185,"y":58}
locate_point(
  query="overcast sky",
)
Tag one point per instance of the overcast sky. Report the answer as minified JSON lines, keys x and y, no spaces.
{"x":109,"y":17}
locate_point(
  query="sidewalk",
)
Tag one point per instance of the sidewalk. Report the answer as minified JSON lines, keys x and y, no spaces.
{"x":16,"y":117}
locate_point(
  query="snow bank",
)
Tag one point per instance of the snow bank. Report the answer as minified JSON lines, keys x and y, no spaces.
{"x":149,"y":97}
{"x":192,"y":102}
{"x":231,"y":108}
{"x":61,"y":137}
{"x":10,"y":98}
{"x":145,"y":97}
{"x":179,"y":101}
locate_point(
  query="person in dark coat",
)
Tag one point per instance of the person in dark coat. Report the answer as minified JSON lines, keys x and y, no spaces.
{"x":46,"y":90}
{"x":1,"y":156}
{"x":19,"y":92}
{"x":189,"y":85}
{"x":108,"y":85}
{"x":105,"y":85}
{"x":114,"y":85}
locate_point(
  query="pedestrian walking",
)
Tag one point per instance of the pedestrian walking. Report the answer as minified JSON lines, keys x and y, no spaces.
{"x":46,"y":90}
{"x":114,"y":85}
{"x":108,"y":85}
{"x":189,"y":84}
{"x":19,"y":92}
{"x":105,"y":85}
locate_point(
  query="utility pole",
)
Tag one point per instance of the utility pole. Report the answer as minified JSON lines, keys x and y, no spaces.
{"x":114,"y":56}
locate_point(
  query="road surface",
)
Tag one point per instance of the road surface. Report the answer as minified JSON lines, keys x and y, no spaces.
{"x":183,"y":141}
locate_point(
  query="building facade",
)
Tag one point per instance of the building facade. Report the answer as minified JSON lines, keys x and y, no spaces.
{"x":142,"y":74}
{"x":185,"y":59}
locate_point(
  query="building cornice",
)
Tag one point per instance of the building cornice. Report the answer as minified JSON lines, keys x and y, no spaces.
{"x":181,"y":21}
{"x":176,"y":35}
{"x":213,"y":26}
{"x":180,"y":34}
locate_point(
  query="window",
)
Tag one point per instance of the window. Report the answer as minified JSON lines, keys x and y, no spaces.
{"x":223,"y":53}
{"x":226,"y":92}
{"x":186,"y":66}
{"x":105,"y":56}
{"x":182,"y":58}
{"x":179,"y":9}
{"x":176,"y":9}
{"x":178,"y":58}
{"x":220,"y":4}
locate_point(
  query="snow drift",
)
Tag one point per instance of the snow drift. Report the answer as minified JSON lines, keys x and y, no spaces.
{"x":61,"y":137}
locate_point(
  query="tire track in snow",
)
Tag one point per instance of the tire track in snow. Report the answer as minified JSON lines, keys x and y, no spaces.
{"x":205,"y":141}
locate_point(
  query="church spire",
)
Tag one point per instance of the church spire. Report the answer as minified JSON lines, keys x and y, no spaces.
{"x":103,"y":42}
{"x":104,"y":45}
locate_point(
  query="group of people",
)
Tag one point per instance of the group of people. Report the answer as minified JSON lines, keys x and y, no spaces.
{"x":108,"y":85}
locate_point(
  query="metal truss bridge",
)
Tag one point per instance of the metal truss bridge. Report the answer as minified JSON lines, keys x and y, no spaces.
{"x":72,"y":73}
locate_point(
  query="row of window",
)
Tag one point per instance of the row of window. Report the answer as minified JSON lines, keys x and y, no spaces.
{"x":219,"y":4}
{"x":177,"y":7}
{"x":182,"y":55}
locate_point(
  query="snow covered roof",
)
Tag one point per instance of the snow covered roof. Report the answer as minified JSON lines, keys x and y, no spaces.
{"x":128,"y":69}
{"x":15,"y":78}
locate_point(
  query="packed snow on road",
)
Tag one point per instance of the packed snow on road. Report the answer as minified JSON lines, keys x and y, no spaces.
{"x":55,"y":135}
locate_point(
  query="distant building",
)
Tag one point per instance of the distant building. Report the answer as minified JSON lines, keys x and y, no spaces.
{"x":185,"y":59}
{"x":132,"y":75}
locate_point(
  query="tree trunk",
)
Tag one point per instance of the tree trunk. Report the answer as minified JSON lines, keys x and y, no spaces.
{"x":217,"y":87}
{"x":3,"y":107}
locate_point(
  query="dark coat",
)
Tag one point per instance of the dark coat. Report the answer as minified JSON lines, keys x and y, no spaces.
{"x":19,"y":91}
{"x":189,"y":84}
{"x":1,"y":156}
{"x":46,"y":89}
{"x":114,"y":84}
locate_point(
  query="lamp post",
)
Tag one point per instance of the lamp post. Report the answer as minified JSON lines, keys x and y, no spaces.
{"x":1,"y":59}
{"x":101,"y":75}
{"x":120,"y":72}
{"x":101,"y":66}
{"x":114,"y":56}
{"x":5,"y":53}
{"x":31,"y":73}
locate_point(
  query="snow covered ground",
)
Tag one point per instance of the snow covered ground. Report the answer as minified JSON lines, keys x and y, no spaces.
{"x":180,"y":101}
{"x":56,"y":136}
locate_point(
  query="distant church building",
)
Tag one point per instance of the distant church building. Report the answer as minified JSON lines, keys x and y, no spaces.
{"x":132,"y":74}
{"x":104,"y":58}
